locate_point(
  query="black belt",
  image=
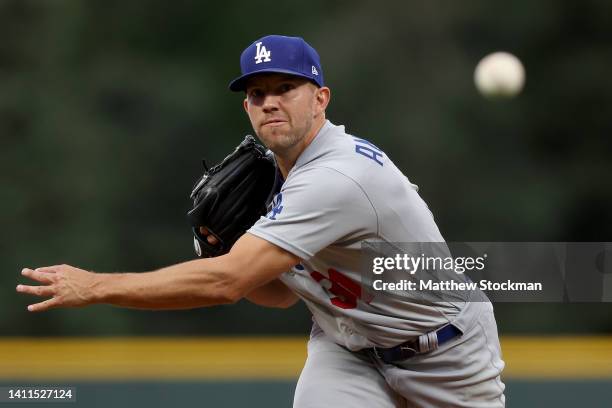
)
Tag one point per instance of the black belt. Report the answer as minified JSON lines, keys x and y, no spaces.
{"x":411,"y":348}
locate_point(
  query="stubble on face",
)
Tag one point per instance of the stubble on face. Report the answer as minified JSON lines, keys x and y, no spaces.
{"x":283,"y":138}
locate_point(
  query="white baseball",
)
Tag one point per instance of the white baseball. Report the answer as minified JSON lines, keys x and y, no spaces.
{"x":500,"y":74}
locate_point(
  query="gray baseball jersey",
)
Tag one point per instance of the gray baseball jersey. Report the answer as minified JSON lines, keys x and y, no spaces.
{"x":341,"y":192}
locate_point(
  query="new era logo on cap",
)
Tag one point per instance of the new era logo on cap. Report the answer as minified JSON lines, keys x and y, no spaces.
{"x":280,"y":54}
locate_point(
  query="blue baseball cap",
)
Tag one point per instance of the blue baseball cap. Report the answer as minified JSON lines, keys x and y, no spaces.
{"x":280,"y":54}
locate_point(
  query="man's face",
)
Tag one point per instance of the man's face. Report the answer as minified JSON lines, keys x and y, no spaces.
{"x":282,"y":109}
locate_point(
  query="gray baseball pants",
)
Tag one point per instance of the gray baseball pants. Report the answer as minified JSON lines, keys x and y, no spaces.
{"x":463,"y":372}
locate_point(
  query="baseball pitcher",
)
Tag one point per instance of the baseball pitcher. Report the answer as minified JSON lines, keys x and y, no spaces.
{"x":289,"y":223}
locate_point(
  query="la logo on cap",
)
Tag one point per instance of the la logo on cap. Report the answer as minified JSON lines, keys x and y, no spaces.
{"x":262,"y":53}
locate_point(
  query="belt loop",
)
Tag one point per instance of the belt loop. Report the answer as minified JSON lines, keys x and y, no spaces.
{"x":428,"y":342}
{"x":433,"y":340}
{"x":423,"y":343}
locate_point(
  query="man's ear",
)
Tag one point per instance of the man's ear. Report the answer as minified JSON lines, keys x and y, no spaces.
{"x":245,"y":105}
{"x":322,"y":97}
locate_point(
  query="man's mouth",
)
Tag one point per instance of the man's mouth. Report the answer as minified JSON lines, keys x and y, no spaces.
{"x":273,"y":122}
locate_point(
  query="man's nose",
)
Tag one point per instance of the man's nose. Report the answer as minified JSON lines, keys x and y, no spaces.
{"x":270,"y":103}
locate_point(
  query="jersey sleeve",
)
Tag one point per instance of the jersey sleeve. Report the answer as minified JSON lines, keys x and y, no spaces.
{"x":315,"y":208}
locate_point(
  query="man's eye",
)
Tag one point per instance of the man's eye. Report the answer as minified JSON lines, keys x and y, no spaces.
{"x":256,"y":93}
{"x":286,"y":87}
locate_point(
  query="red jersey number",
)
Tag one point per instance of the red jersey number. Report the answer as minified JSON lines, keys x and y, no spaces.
{"x":346,"y":290}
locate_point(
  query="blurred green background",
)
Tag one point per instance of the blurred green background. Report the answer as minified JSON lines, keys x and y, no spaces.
{"x":108,"y":107}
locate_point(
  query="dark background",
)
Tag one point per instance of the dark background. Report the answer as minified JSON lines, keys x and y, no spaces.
{"x":108,"y":107}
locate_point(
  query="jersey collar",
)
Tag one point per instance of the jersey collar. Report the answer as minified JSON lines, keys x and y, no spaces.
{"x":313,"y":150}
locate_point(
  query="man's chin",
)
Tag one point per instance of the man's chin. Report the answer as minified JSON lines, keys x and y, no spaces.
{"x":274,"y":138}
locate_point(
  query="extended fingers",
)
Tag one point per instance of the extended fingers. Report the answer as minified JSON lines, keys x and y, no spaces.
{"x":48,"y":276}
{"x":39,"y":274}
{"x":49,"y":269}
{"x":36,"y":290}
{"x":46,"y":305}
